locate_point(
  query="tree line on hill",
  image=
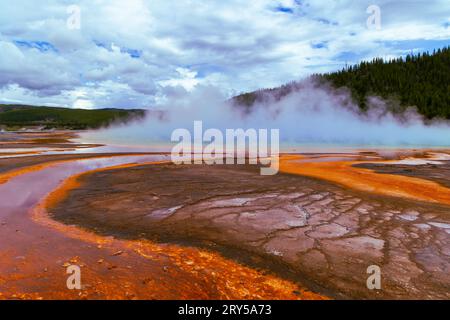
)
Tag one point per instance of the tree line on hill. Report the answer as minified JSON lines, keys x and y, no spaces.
{"x":421,"y":80}
{"x":18,"y":116}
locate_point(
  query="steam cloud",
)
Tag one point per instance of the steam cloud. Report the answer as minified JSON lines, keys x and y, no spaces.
{"x":313,"y":114}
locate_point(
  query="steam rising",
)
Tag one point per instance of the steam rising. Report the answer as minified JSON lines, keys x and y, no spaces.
{"x":313,"y":114}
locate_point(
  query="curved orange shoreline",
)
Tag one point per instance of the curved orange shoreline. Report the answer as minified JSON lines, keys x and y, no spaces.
{"x":193,"y":273}
{"x":6,"y":176}
{"x":344,"y":173}
{"x":200,"y":274}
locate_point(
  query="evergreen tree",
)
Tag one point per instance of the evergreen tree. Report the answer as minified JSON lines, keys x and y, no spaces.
{"x":421,"y":80}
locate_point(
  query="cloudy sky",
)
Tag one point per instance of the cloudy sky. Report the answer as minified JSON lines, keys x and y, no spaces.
{"x":116,"y":53}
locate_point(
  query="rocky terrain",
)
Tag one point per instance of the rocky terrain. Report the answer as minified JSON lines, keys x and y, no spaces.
{"x":310,"y":231}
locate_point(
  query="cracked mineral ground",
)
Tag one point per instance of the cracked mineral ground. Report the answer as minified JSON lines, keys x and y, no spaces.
{"x":318,"y":234}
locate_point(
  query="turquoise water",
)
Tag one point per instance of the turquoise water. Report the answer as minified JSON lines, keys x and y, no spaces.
{"x":125,"y":143}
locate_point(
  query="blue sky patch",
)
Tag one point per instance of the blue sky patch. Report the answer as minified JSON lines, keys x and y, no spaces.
{"x":326,"y":21}
{"x":284,"y":9}
{"x":102,"y":45}
{"x":416,"y":46}
{"x":42,"y":46}
{"x":134,"y":53}
{"x":320,"y":45}
{"x":348,"y":56}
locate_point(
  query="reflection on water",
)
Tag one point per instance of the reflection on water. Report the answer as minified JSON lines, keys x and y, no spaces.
{"x":328,"y":159}
{"x":15,"y":152}
{"x":125,"y":149}
{"x":26,"y":190}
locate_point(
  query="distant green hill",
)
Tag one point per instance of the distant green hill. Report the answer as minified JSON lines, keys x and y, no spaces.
{"x":421,"y":80}
{"x":16,"y":116}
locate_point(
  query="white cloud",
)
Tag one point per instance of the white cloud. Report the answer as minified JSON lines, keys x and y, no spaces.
{"x":187,"y":79}
{"x":127,"y":52}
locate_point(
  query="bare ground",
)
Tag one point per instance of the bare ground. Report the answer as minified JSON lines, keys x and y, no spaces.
{"x":319,"y":234}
